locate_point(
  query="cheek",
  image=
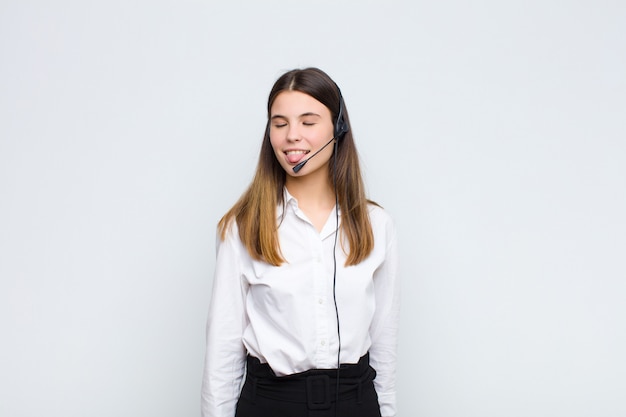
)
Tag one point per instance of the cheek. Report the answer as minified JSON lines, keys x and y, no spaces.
{"x":275,"y":137}
{"x":276,"y":149}
{"x":328,"y":132}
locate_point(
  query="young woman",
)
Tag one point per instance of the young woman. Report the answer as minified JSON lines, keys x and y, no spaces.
{"x":305,"y":294}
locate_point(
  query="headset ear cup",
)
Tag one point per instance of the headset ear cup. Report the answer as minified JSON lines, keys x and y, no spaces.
{"x":341,"y":127}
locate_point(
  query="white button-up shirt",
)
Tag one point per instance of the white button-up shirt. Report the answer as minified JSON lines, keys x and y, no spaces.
{"x":285,"y":315}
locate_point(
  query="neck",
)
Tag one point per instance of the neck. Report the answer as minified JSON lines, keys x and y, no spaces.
{"x":313,"y":190}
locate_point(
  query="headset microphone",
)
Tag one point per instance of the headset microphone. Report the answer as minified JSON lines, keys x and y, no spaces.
{"x":301,"y":164}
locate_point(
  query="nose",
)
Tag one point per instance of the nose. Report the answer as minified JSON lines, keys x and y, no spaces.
{"x":293,"y":133}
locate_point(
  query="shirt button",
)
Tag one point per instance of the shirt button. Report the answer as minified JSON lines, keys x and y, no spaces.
{"x":323,"y":343}
{"x":320,"y":301}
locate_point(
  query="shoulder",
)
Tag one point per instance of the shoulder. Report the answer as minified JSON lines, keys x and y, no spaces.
{"x":381,"y":220}
{"x":378,"y":215}
{"x":227,"y":234}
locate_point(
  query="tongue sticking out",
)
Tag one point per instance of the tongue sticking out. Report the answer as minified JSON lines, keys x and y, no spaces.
{"x":294,"y":158}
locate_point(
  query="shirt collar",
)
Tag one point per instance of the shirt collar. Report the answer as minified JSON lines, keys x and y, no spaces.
{"x":291,"y":203}
{"x":288,"y":201}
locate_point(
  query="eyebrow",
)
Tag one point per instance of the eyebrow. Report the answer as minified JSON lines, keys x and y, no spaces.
{"x":280,"y":116}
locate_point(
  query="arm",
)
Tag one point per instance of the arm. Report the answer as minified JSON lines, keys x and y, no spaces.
{"x":384,"y":328}
{"x":225,"y":353}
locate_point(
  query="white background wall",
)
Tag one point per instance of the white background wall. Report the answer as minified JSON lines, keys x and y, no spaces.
{"x":493,"y":131}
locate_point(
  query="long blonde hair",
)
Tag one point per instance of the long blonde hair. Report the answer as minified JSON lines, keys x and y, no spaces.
{"x":255,"y":211}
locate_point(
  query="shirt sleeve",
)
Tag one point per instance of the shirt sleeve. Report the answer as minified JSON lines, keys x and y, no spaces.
{"x":225,"y":353}
{"x":384,"y":327}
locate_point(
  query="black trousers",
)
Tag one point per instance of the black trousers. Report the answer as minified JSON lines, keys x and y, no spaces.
{"x":309,"y":394}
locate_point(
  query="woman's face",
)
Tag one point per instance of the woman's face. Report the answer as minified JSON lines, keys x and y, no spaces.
{"x":299,"y":126}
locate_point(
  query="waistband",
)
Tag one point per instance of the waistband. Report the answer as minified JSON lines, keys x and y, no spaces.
{"x":316,"y":387}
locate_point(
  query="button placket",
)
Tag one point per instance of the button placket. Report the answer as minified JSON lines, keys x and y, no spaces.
{"x":319,"y":294}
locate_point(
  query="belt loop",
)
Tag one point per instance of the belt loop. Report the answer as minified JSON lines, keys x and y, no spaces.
{"x":318,"y":392}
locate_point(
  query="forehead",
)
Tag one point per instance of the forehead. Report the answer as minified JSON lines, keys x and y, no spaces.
{"x":296,"y":103}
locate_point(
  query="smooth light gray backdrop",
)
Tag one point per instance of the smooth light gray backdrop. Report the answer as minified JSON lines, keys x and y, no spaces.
{"x":493,"y":131}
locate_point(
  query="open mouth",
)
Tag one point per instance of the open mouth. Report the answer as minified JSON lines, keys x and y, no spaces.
{"x":294,"y":156}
